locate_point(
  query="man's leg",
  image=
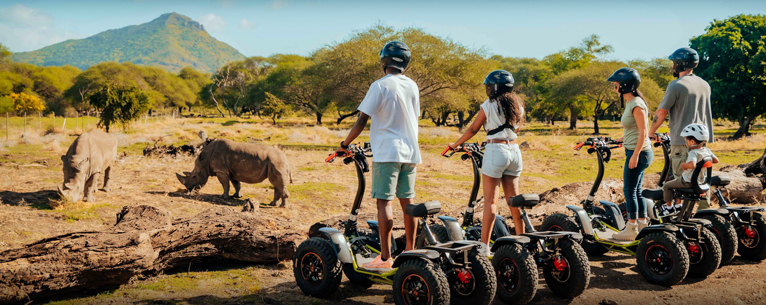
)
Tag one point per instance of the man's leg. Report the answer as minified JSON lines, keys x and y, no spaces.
{"x":384,"y":177}
{"x":405,"y":191}
{"x":385,"y":224}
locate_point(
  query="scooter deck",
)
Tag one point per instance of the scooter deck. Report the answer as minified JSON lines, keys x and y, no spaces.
{"x":607,"y":236}
{"x":361,"y":260}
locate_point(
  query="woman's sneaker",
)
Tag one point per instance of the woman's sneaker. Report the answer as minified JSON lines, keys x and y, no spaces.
{"x":665,"y":210}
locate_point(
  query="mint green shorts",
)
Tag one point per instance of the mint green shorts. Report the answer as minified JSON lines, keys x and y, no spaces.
{"x":393,"y":180}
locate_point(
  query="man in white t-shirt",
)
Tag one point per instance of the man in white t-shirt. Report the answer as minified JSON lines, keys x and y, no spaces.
{"x":393,"y":104}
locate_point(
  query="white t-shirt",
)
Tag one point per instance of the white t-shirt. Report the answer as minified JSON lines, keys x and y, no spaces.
{"x":496,"y":118}
{"x":696,"y":155}
{"x":393,"y":104}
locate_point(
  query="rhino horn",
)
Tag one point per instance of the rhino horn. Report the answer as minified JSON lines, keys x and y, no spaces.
{"x":181,"y":178}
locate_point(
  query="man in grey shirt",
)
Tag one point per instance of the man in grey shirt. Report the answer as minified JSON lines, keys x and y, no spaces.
{"x":686,"y":101}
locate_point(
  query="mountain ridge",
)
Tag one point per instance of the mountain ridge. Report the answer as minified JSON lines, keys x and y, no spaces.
{"x":171,"y":41}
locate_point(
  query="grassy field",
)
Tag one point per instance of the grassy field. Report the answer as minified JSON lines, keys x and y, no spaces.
{"x":30,"y":209}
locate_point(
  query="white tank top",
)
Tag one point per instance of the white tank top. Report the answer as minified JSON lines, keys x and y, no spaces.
{"x":496,"y":118}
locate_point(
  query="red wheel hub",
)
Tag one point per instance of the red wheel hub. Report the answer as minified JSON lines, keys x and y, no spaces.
{"x":694,"y":248}
{"x":464,"y":276}
{"x":750,"y":232}
{"x":559,"y":263}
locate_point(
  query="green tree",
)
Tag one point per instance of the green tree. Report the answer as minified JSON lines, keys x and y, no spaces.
{"x":94,"y":78}
{"x":733,"y":61}
{"x":196,"y":81}
{"x":273,"y":107}
{"x":531,"y":78}
{"x":657,"y":69}
{"x":118,"y":103}
{"x":230,"y":83}
{"x":5,"y":54}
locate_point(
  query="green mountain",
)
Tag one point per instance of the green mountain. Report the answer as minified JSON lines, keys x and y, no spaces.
{"x":172,"y":41}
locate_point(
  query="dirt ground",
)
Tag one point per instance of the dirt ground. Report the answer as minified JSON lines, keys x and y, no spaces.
{"x":320,"y":191}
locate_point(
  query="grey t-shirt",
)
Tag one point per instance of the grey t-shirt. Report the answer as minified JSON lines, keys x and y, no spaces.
{"x":687,"y":101}
{"x":630,"y":138}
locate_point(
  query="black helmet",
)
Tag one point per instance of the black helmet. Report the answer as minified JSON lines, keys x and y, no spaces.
{"x":500,"y":81}
{"x":395,"y":54}
{"x":684,"y":59}
{"x":628,"y":79}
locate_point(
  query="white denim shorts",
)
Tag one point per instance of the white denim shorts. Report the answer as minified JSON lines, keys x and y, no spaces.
{"x":502,"y":159}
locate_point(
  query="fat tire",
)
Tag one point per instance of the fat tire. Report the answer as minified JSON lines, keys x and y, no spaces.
{"x":677,"y":250}
{"x":579,"y":271}
{"x":486,"y":282}
{"x":355,"y":278}
{"x":559,"y":221}
{"x":711,"y":256}
{"x":757,"y":253}
{"x":330,"y":264}
{"x":436,"y":281}
{"x":726,"y":236}
{"x":528,"y":275}
{"x":440,"y":233}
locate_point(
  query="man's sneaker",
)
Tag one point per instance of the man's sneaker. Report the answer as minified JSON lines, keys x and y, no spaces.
{"x":379,"y":264}
{"x":679,"y":206}
{"x":665,"y":210}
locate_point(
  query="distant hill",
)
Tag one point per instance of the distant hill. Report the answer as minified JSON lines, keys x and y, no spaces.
{"x":172,"y":41}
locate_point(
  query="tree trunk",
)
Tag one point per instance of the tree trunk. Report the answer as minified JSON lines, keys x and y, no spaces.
{"x":319,"y":117}
{"x":744,"y":126}
{"x":145,"y":240}
{"x":573,"y":113}
{"x":344,"y":116}
{"x":442,"y":119}
{"x":595,"y":125}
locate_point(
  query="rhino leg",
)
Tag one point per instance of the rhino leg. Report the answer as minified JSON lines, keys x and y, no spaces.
{"x":90,"y":188}
{"x":237,"y":188}
{"x":107,"y":176}
{"x":280,"y":188}
{"x":224,"y":179}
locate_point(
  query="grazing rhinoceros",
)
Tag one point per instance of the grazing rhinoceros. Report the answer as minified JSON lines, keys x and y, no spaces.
{"x":92,"y":154}
{"x":239,"y":162}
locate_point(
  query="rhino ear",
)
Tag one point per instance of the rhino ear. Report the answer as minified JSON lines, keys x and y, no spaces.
{"x":63,"y":157}
{"x":181,"y":178}
{"x":78,"y":164}
{"x":187,"y":174}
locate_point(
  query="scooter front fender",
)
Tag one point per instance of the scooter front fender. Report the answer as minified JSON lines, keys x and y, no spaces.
{"x":454,"y":230}
{"x":582,"y":216}
{"x":340,"y":242}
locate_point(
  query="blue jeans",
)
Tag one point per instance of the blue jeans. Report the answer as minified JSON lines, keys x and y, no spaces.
{"x":632,"y":180}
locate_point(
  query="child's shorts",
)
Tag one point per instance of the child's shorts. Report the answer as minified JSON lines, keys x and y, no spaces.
{"x":501,"y":160}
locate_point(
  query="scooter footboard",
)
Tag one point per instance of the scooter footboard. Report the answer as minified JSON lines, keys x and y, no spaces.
{"x":554,"y":235}
{"x":514,"y":239}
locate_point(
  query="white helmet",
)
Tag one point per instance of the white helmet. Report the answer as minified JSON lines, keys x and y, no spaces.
{"x":697,"y":131}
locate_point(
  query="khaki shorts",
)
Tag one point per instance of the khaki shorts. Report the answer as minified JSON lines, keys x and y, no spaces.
{"x":393,"y":180}
{"x":678,"y":155}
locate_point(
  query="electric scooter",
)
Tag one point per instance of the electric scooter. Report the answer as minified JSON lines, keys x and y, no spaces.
{"x":738,"y":229}
{"x":517,"y":258}
{"x":665,"y":253}
{"x":440,"y":273}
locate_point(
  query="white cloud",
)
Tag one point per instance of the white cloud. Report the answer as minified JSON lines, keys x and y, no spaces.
{"x":246,"y":25}
{"x":212,"y":22}
{"x":278,"y":4}
{"x":24,"y":28}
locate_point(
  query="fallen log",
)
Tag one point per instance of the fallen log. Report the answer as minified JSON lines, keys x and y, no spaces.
{"x":145,"y":240}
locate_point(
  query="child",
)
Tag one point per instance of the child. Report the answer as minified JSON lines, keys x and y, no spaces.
{"x":393,"y":104}
{"x":696,"y":136}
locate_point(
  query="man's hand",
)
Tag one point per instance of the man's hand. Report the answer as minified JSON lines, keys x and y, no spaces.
{"x":342,"y":151}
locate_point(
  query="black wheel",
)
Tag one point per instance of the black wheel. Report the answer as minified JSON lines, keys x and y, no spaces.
{"x":419,"y":282}
{"x":568,"y":273}
{"x":704,"y":258}
{"x":316,"y":267}
{"x":516,"y":274}
{"x":563,"y":222}
{"x":476,"y":285}
{"x":439,"y":231}
{"x":662,"y":259}
{"x":752,"y":245}
{"x":726,"y":236}
{"x":355,"y":278}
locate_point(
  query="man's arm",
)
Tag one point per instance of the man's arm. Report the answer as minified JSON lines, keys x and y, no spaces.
{"x":357,"y":129}
{"x":659,"y":118}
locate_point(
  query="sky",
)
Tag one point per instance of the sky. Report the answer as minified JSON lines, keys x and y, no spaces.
{"x":638,"y":29}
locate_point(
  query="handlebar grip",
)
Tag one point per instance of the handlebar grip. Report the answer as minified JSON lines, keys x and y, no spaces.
{"x":450,"y":150}
{"x":331,"y":157}
{"x":579,"y":145}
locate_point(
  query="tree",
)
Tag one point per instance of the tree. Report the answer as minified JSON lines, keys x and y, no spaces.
{"x":4,"y":53}
{"x":94,"y":78}
{"x":733,"y":60}
{"x":23,"y":102}
{"x":657,"y":69}
{"x":273,"y":107}
{"x":531,"y":78}
{"x":196,"y":81}
{"x":118,"y":103}
{"x":230,"y":83}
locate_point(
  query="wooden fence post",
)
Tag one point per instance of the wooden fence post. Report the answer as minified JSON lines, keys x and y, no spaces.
{"x":6,"y":127}
{"x":40,"y":119}
{"x":25,"y":122}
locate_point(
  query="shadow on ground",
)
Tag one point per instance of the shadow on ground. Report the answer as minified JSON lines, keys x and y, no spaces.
{"x":39,"y":199}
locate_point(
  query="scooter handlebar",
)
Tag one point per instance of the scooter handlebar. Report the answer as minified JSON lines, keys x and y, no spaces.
{"x":448,"y":152}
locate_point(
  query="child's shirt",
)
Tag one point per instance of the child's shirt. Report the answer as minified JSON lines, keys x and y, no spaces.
{"x":696,"y":155}
{"x":495,"y":119}
{"x":393,"y":104}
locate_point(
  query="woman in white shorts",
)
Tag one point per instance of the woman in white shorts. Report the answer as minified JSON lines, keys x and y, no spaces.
{"x":501,"y":115}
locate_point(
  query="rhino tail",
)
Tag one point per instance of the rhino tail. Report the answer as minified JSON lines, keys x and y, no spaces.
{"x":290,"y":173}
